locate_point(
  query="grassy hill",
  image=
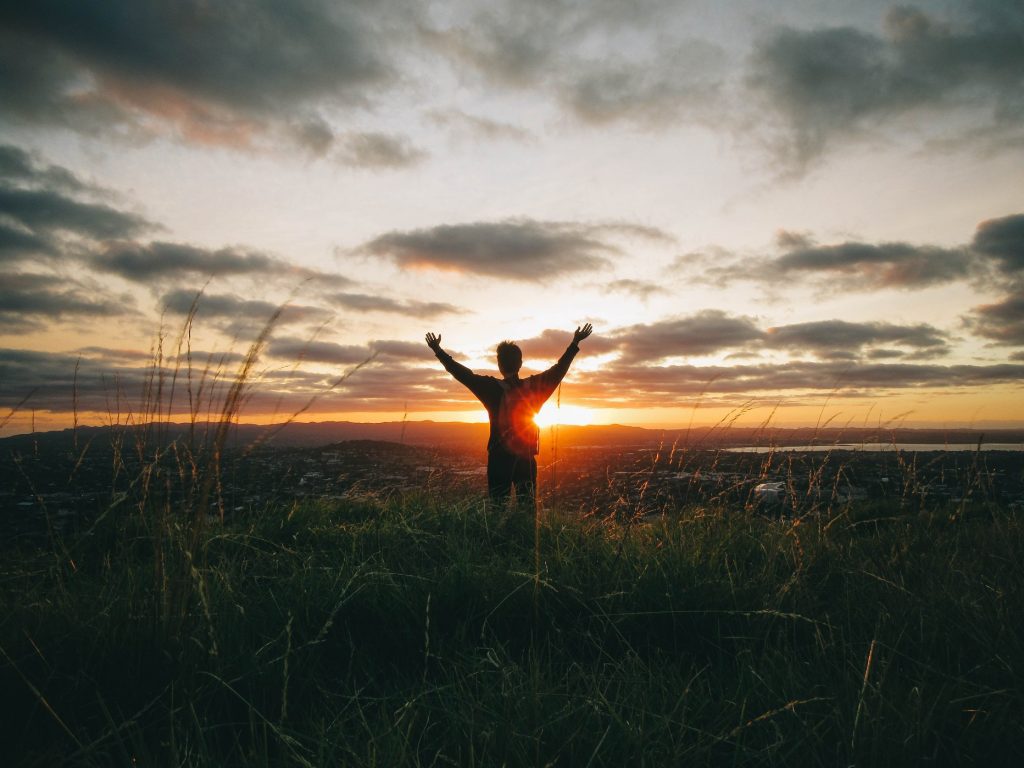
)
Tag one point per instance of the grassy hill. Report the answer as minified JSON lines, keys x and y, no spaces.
{"x":428,"y":630}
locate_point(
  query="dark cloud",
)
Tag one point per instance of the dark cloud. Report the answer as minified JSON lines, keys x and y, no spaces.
{"x":651,"y":92}
{"x":837,"y":338}
{"x":521,"y":249}
{"x":378,"y":150}
{"x":365,"y":302}
{"x":313,"y":351}
{"x":401,"y":350}
{"x":242,"y":311}
{"x":17,"y":164}
{"x":30,"y":300}
{"x":211,"y":72}
{"x":639,"y":288}
{"x":826,"y":83}
{"x":714,"y":331}
{"x":48,"y":211}
{"x":17,"y":244}
{"x":1002,"y":322}
{"x":40,"y":208}
{"x":666,"y":385}
{"x":1002,"y":240}
{"x":704,"y":333}
{"x":51,"y":381}
{"x":996,"y":250}
{"x":57,"y":382}
{"x":867,"y":266}
{"x":577,"y":52}
{"x":525,"y":44}
{"x":885,"y":354}
{"x":158,"y":260}
{"x":203,"y":360}
{"x":507,"y":48}
{"x":314,"y":134}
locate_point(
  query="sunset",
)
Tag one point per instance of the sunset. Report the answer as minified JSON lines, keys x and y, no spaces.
{"x":776,"y":210}
{"x":511,"y":382}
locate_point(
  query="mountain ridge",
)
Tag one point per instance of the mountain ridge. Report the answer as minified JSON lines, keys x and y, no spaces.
{"x":470,"y":434}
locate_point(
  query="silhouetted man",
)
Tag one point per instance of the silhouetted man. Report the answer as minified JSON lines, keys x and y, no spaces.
{"x":511,"y":404}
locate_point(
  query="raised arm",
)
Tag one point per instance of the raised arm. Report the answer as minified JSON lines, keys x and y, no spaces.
{"x":552,"y":377}
{"x":459,"y":372}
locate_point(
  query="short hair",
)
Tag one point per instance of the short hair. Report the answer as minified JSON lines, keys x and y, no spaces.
{"x":510,"y":357}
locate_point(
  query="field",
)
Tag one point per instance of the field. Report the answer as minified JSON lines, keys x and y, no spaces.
{"x":423,"y":629}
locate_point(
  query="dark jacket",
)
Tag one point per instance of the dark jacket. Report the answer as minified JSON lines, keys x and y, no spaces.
{"x":489,"y":390}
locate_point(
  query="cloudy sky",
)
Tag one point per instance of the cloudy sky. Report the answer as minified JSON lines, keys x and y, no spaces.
{"x":798,"y":211}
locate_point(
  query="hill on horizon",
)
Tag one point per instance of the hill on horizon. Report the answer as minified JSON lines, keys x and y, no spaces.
{"x":474,"y":435}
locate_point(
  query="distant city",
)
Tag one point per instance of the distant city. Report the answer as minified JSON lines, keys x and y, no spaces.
{"x":59,"y":482}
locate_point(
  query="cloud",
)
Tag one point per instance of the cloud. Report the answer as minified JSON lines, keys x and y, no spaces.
{"x":313,"y":134}
{"x":40,"y":209}
{"x":45,"y":211}
{"x":520,"y":249}
{"x":652,"y":92}
{"x":867,"y":266}
{"x":665,"y":385}
{"x":585,"y":56}
{"x":242,"y":312}
{"x":1002,"y":321}
{"x":703,"y":333}
{"x":17,"y":244}
{"x":29,"y":300}
{"x":401,"y":350}
{"x":477,"y":126}
{"x":836,"y":338}
{"x":365,"y":302}
{"x":996,"y":250}
{"x":159,"y":260}
{"x":16,"y":163}
{"x":379,"y":150}
{"x":60,"y":381}
{"x":205,"y":72}
{"x":1002,"y":240}
{"x":829,"y":83}
{"x":714,"y":332}
{"x":639,"y":288}
{"x":313,"y":351}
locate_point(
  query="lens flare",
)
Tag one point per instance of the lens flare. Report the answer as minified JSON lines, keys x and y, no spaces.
{"x":552,"y":414}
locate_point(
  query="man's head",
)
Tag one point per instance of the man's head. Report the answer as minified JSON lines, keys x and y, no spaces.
{"x":510,"y":358}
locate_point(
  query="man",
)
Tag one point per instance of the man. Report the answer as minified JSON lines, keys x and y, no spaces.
{"x":511,"y":404}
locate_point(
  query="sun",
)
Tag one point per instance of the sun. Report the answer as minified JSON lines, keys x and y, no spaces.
{"x":551,"y":414}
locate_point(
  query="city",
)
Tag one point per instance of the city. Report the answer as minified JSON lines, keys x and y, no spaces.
{"x":57,"y":488}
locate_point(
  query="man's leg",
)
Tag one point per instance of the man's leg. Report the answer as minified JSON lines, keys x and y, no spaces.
{"x":499,"y":476}
{"x":524,"y":477}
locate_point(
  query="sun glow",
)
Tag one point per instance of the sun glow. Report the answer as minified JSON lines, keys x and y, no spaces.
{"x":552,"y":414}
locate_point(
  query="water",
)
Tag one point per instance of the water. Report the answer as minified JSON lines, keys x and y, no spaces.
{"x":822,"y":447}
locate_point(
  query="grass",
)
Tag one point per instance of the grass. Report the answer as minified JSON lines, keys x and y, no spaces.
{"x":417,"y":632}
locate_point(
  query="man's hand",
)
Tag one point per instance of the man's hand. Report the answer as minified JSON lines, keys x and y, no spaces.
{"x":434,"y":341}
{"x":582,"y":333}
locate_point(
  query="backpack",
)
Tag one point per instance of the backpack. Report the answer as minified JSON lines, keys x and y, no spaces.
{"x":517,"y":431}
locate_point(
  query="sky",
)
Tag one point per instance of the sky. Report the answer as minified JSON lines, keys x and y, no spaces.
{"x":791,"y":213}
